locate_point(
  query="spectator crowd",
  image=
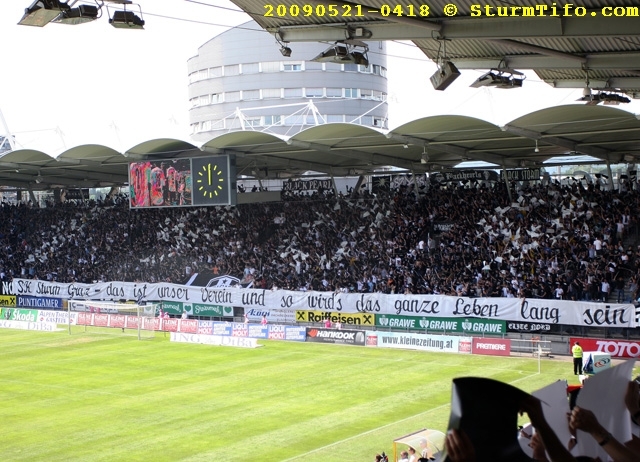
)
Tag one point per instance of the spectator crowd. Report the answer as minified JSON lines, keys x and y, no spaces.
{"x":479,"y":240}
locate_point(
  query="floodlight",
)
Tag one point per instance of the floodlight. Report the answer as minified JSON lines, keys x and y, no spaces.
{"x":424,"y":159}
{"x":500,"y":78}
{"x":285,"y":51}
{"x":341,"y":52}
{"x":126,"y":20}
{"x":334,"y":54}
{"x":360,"y":58}
{"x":42,"y":12}
{"x":609,"y":99}
{"x":444,"y":76}
{"x":79,"y":15}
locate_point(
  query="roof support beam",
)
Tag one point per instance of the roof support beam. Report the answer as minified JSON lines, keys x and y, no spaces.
{"x":448,"y":148}
{"x":284,"y":162}
{"x":507,"y":28}
{"x":558,"y":141}
{"x":615,"y":82}
{"x":373,"y":158}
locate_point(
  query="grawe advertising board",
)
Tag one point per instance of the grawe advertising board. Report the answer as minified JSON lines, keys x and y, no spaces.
{"x":424,"y":342}
{"x":345,"y":337}
{"x":491,"y":346}
{"x":469,"y":325}
{"x":615,"y":348}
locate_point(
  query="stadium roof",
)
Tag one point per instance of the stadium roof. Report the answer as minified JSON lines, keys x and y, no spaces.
{"x":594,"y":43}
{"x":547,"y":137}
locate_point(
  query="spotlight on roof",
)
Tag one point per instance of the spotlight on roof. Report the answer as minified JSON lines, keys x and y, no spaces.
{"x":42,"y":12}
{"x":285,"y":51}
{"x":345,"y":52}
{"x":424,"y":159}
{"x":79,"y":15}
{"x":607,"y":98}
{"x":444,"y":76}
{"x":124,"y":19}
{"x":500,"y":78}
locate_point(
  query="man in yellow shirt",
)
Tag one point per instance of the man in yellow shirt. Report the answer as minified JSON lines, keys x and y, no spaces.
{"x":576,"y":352}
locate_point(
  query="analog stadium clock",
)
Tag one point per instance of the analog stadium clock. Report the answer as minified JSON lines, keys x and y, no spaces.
{"x":210,"y":179}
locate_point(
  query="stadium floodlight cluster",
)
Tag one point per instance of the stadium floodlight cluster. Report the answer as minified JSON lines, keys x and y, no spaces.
{"x":608,"y":98}
{"x":43,"y":12}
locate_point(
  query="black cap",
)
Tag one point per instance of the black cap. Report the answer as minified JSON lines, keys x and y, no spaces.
{"x":487,"y":411}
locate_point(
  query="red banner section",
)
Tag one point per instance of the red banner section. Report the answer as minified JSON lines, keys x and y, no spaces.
{"x":491,"y":346}
{"x":616,"y":348}
{"x":464,"y":346}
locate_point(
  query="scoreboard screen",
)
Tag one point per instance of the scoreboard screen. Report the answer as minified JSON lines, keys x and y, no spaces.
{"x":197,"y":181}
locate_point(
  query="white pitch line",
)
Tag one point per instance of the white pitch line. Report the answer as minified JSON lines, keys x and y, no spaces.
{"x":381,"y":427}
{"x":365,"y":433}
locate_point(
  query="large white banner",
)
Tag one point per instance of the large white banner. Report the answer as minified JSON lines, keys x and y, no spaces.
{"x":509,"y":309}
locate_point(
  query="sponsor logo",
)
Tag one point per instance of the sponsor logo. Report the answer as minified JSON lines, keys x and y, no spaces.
{"x":602,"y":362}
{"x":619,"y":348}
{"x":615,"y":348}
{"x":500,"y":347}
{"x":334,"y":334}
{"x":464,"y":346}
{"x":491,"y":346}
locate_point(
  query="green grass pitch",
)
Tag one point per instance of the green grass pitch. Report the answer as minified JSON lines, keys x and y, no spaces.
{"x":96,"y":397}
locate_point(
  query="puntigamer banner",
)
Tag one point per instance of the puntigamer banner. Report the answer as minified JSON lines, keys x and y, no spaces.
{"x":476,"y":326}
{"x":432,"y":306}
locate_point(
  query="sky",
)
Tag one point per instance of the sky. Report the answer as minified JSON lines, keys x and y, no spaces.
{"x":63,"y":86}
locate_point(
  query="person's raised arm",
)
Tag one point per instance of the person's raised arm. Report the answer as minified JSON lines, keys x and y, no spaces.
{"x":585,"y":420}
{"x":556,"y":450}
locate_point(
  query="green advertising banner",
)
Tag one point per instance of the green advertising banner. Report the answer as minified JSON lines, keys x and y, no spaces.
{"x":174,"y":308}
{"x":468,"y":325}
{"x":196,"y":309}
{"x":16,"y":314}
{"x":200,"y":309}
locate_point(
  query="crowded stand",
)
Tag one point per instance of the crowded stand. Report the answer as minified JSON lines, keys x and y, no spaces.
{"x":562,"y":241}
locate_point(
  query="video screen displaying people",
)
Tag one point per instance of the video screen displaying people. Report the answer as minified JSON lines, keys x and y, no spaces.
{"x":165,"y":183}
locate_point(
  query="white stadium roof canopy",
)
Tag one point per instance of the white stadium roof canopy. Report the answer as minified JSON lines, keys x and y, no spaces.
{"x":553,"y":136}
